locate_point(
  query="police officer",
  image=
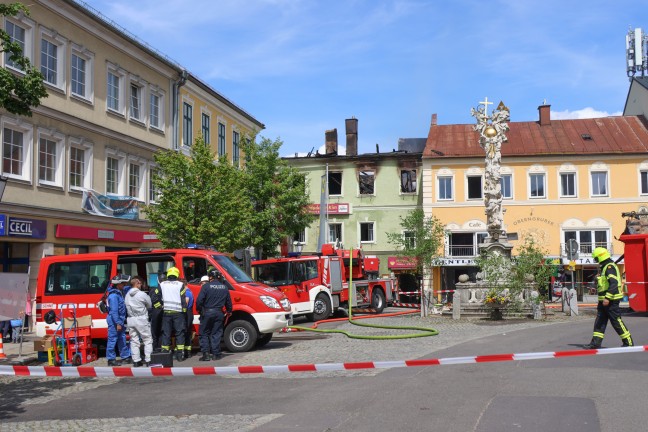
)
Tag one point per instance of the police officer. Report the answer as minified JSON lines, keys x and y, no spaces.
{"x":213,"y":297}
{"x":609,"y":296}
{"x":174,"y":317}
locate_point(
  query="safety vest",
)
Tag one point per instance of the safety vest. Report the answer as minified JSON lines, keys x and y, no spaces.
{"x":603,"y":284}
{"x":172,"y":295}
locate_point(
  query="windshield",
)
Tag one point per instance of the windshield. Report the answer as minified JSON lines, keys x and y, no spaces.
{"x":273,"y":274}
{"x":232,"y":268}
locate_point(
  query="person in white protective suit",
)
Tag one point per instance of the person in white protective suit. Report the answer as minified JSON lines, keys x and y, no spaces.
{"x":138,"y":304}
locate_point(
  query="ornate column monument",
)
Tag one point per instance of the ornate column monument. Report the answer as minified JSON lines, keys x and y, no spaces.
{"x":492,"y":133}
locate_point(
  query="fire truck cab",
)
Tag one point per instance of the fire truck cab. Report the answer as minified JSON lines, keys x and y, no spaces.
{"x":258,"y":310}
{"x":318,"y":285}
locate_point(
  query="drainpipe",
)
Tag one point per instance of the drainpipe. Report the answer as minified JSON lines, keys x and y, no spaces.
{"x":175,"y":108}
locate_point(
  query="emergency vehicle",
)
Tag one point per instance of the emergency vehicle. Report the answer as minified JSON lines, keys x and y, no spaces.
{"x":258,"y":310}
{"x":318,"y":285}
{"x":635,"y":258}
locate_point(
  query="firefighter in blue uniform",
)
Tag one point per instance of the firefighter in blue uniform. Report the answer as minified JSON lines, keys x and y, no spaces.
{"x":214,"y":296}
{"x":609,"y":296}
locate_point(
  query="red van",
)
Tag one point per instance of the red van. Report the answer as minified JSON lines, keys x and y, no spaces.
{"x":258,"y":310}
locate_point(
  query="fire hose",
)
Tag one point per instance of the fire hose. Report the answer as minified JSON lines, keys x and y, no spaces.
{"x":423,"y":331}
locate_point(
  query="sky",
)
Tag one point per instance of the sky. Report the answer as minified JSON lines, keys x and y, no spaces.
{"x":302,"y":67}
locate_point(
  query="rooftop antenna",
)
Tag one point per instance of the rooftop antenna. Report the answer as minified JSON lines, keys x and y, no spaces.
{"x":636,"y":52}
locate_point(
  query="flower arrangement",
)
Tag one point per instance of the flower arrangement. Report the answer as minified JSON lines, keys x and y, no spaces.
{"x":495,"y":298}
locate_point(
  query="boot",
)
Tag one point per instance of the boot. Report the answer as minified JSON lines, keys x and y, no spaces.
{"x":216,"y":356}
{"x":627,"y":342}
{"x":137,"y":364}
{"x":179,"y":356}
{"x":114,"y":363}
{"x":127,"y":360}
{"x":594,"y":344}
{"x":205,"y":357}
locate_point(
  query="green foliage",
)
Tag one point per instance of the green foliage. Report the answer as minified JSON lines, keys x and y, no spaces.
{"x":425,"y":240}
{"x":200,"y":201}
{"x":278,"y":194}
{"x":19,"y":91}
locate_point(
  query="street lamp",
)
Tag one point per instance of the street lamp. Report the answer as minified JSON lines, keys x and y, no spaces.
{"x":3,"y":184}
{"x":297,"y":247}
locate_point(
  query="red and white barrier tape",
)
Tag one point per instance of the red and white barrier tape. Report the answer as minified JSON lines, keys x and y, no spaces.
{"x":127,"y":372}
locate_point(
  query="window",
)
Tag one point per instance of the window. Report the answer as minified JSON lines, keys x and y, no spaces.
{"x":194,"y":268}
{"x":135,"y":102}
{"x":52,"y":58}
{"x":50,"y":158}
{"x":112,"y":175}
{"x":19,"y":29}
{"x":187,"y":124}
{"x":537,"y":185}
{"x":335,"y":232}
{"x":236,"y":151}
{"x":445,"y":188}
{"x":465,"y":244}
{"x":409,"y":239}
{"x":366,"y":182}
{"x":599,"y":183}
{"x":408,"y":181}
{"x":81,"y":64}
{"x":134,"y":180}
{"x":300,"y":237}
{"x":205,"y":128}
{"x":568,"y":185}
{"x":154,"y":193}
{"x":221,"y":140}
{"x":73,"y":278}
{"x":588,"y":240}
{"x":475,"y":190}
{"x":80,"y":161}
{"x":506,"y":185}
{"x":154,"y":113}
{"x":367,"y":232}
{"x":644,"y":182}
{"x":112,"y":98}
{"x":17,"y":35}
{"x":17,"y":146}
{"x":335,"y":183}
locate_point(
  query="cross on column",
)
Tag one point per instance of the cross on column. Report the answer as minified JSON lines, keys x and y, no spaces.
{"x":486,"y":103}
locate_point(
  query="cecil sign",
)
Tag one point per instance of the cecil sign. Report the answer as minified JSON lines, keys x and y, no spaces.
{"x":32,"y":228}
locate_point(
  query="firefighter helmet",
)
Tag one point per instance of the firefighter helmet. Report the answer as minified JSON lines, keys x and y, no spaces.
{"x":215,"y":274}
{"x":600,"y":254}
{"x":50,"y":317}
{"x":173,"y":271}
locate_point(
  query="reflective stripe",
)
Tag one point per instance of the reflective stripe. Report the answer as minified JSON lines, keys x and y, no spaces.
{"x":599,"y":335}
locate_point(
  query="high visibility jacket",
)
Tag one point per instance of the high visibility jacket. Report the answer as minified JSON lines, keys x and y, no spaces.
{"x":609,"y":283}
{"x":173,"y":296}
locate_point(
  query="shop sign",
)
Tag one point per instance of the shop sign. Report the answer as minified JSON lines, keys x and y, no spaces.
{"x":31,"y":228}
{"x":3,"y":224}
{"x":339,"y":208}
{"x":457,"y":262}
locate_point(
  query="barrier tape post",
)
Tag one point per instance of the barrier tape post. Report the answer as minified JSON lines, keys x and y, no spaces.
{"x":125,"y":372}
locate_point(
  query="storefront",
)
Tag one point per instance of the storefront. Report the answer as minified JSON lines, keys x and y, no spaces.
{"x":409,"y":281}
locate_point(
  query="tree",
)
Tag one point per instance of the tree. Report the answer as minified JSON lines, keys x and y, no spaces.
{"x":278,"y":194}
{"x":422,"y":241}
{"x":19,"y":91}
{"x":199,"y":200}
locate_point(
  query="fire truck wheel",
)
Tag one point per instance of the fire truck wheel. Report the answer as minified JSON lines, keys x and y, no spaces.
{"x":264,"y":339}
{"x":321,"y":308}
{"x":240,"y":336}
{"x":378,"y":300}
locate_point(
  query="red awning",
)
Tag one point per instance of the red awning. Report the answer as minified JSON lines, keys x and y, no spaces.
{"x":401,"y":263}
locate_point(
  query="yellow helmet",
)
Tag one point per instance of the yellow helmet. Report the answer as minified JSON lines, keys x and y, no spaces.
{"x":600,"y":254}
{"x":173,"y":271}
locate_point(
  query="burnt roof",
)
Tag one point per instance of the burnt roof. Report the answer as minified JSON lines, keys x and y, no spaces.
{"x":606,"y":135}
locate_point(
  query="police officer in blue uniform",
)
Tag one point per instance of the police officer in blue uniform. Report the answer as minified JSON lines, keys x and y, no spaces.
{"x":214,"y":296}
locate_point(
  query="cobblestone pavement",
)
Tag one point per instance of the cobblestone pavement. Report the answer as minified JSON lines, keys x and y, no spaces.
{"x":288,"y":348}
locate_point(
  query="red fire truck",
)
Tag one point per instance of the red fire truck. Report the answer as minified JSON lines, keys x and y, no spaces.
{"x":258,"y":310}
{"x":317,"y":285}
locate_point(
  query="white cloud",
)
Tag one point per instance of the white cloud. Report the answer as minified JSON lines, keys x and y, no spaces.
{"x":584,"y":113}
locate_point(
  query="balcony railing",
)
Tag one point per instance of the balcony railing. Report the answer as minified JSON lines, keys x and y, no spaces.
{"x":462,"y":251}
{"x":585,"y":249}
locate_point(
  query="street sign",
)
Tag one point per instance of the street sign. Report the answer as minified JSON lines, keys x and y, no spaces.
{"x":572,"y":249}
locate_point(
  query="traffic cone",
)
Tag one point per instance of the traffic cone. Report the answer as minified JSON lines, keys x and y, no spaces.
{"x":2,"y":354}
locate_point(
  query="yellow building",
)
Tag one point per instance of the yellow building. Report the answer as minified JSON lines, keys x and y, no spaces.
{"x":561,"y":180}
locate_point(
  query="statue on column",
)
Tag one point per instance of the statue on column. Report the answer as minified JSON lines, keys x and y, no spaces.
{"x":492,"y":133}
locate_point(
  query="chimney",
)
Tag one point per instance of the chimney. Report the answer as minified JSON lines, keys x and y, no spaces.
{"x":545,"y":114}
{"x":351,"y":136}
{"x":331,"y":142}
{"x":434,"y":120}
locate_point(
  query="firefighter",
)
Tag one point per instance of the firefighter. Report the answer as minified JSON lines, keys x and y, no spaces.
{"x":174,"y":317}
{"x":156,"y":313}
{"x":609,"y":296}
{"x":214,"y":296}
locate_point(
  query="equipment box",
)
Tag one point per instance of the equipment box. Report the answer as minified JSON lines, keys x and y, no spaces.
{"x":164,"y":359}
{"x":84,"y":321}
{"x":44,"y":343}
